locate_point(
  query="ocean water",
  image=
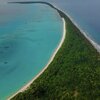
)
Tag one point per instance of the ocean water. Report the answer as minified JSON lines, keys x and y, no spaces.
{"x":18,"y":20}
{"x":85,"y":13}
{"x":29,"y":34}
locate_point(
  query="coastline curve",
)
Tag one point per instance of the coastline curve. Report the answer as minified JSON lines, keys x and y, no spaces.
{"x":50,"y":60}
{"x":94,"y":44}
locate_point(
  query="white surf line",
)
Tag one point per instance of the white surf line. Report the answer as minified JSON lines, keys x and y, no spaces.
{"x":51,"y":59}
{"x":94,"y":44}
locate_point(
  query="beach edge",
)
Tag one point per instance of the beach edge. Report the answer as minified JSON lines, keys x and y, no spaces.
{"x":94,"y":44}
{"x":51,"y":59}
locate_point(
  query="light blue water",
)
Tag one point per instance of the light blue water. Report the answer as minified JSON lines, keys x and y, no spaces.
{"x":29,"y":35}
{"x":84,"y":12}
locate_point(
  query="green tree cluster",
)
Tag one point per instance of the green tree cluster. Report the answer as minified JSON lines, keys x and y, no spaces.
{"x":74,"y":73}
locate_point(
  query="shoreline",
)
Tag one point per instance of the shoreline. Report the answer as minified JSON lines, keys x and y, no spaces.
{"x":51,"y":59}
{"x":94,"y":44}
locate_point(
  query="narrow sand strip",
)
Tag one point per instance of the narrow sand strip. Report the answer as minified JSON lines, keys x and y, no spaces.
{"x":94,"y":44}
{"x":51,"y":59}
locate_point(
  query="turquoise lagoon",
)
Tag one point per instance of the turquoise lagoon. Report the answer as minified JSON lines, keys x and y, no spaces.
{"x":29,"y":34}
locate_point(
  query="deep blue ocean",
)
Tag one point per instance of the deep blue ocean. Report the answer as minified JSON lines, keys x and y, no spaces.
{"x":85,"y":13}
{"x":29,"y":35}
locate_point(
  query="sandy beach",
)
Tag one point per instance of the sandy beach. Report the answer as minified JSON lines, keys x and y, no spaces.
{"x":51,"y":59}
{"x":95,"y":45}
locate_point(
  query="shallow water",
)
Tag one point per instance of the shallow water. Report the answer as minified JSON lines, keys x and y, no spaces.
{"x":29,"y":34}
{"x":14,"y":29}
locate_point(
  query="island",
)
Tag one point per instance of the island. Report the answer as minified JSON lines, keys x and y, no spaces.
{"x":74,"y":73}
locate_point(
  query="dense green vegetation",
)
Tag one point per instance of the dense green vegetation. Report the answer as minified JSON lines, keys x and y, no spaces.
{"x":74,"y":73}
